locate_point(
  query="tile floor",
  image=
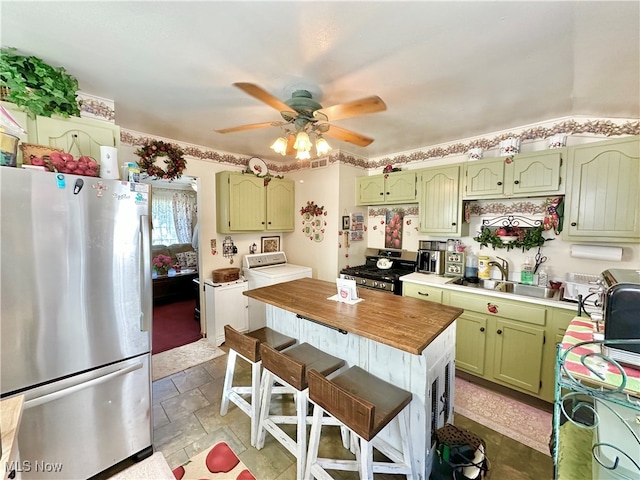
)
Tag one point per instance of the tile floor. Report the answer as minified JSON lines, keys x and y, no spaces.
{"x":187,"y":419}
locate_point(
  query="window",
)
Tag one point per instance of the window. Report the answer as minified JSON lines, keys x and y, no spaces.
{"x":173,"y":215}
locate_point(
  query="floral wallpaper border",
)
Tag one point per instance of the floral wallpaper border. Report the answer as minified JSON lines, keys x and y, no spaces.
{"x":569,"y":127}
{"x":499,"y":208}
{"x":382,"y":212}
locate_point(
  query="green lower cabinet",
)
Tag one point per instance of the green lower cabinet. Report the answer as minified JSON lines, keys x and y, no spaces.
{"x":504,"y":341}
{"x":471,"y":342}
{"x":422,"y":292}
{"x":517,"y":355}
{"x":560,"y":319}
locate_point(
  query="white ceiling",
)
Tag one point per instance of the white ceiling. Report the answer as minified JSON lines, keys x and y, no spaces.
{"x":446,"y":70}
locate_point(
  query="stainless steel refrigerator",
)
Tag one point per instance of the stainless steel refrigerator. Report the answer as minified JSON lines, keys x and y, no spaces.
{"x":76,"y":313}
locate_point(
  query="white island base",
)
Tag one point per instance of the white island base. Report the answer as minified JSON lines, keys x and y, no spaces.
{"x":428,"y":376}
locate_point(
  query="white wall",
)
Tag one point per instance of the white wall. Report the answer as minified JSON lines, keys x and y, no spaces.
{"x":334,"y":188}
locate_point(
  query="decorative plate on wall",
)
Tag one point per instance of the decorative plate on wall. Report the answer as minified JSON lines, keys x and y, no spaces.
{"x":257,"y":166}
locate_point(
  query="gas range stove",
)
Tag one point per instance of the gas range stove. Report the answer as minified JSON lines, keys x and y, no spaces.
{"x":371,"y":276}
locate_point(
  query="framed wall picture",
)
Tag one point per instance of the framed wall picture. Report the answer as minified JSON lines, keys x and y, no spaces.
{"x":270,"y":244}
{"x":346,"y":224}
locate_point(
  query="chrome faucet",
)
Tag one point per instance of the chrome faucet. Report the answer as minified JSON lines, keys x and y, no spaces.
{"x":504,"y":268}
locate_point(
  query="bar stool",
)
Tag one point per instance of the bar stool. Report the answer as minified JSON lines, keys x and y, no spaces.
{"x":289,"y":368}
{"x":247,"y":346}
{"x":365,"y":404}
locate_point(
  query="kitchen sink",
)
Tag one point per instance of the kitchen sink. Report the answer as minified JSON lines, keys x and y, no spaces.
{"x":498,"y":285}
{"x":533,"y":291}
{"x":509,"y":287}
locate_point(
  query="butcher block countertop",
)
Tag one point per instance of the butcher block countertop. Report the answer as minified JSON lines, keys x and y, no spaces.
{"x":10,"y":416}
{"x":405,"y":323}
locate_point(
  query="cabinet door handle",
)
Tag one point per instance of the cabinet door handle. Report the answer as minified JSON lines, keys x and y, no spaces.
{"x":423,"y":294}
{"x":387,"y":193}
{"x":482,"y":329}
{"x":453,"y":224}
{"x":269,"y":223}
{"x":499,"y":183}
{"x":516,"y":182}
{"x":499,"y":332}
{"x":381,"y":193}
{"x":573,"y":224}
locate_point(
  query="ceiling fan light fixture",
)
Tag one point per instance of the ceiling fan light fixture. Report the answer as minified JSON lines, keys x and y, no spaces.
{"x":302,"y":142}
{"x":322,"y":146}
{"x":303,"y":155}
{"x":280,"y":146}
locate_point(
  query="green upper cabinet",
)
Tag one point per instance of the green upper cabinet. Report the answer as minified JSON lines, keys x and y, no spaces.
{"x":440,"y":204}
{"x":484,"y":178}
{"x":245,"y":204}
{"x":524,"y":175}
{"x":280,"y":205}
{"x":77,"y":136}
{"x":538,"y":173}
{"x":603,"y":199}
{"x":391,"y":188}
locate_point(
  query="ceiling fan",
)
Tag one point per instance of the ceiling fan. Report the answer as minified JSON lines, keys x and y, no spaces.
{"x":302,"y":115}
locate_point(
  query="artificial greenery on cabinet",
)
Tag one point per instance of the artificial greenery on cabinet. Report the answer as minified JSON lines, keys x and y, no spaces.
{"x":41,"y":89}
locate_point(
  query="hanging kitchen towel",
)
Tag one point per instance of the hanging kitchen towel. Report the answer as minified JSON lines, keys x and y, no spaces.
{"x":597,"y":252}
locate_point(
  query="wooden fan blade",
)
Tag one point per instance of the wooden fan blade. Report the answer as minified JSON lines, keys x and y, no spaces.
{"x":259,"y":93}
{"x":250,"y":126}
{"x":291,"y":139}
{"x":348,"y":136}
{"x":353,"y":109}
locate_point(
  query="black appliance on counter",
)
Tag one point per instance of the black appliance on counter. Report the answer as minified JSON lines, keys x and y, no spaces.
{"x":621,"y":315}
{"x":382,"y":269}
{"x":431,"y":257}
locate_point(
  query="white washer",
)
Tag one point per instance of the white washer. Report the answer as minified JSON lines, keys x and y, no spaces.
{"x":262,"y":270}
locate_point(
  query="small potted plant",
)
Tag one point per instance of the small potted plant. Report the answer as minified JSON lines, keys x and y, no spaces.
{"x":38,"y":87}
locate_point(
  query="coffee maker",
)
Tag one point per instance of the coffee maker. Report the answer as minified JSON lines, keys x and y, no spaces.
{"x":431,"y":257}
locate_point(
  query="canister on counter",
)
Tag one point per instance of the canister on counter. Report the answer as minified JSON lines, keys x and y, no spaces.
{"x":483,"y":267}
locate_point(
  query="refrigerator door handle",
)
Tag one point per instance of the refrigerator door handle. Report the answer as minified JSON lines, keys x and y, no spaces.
{"x":146,"y":295}
{"x":34,"y":402}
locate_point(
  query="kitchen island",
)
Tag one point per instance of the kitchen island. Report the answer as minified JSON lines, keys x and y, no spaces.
{"x":405,"y":341}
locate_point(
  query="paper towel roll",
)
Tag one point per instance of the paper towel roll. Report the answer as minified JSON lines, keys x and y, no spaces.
{"x":109,"y":163}
{"x":597,"y":252}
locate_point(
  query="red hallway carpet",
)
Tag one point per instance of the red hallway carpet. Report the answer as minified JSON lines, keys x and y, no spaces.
{"x":174,"y":326}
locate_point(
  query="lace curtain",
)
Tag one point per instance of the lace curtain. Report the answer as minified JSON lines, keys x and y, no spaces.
{"x":173,"y":215}
{"x":184,"y":215}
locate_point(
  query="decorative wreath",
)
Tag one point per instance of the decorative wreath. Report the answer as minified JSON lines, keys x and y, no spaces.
{"x":175,"y":163}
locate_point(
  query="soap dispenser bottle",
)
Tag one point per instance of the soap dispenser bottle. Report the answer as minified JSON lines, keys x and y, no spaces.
{"x":526,"y":273}
{"x":543,"y":278}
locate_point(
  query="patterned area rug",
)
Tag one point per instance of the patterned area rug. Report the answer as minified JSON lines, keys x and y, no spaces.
{"x":180,"y":358}
{"x":216,"y":463}
{"x":523,"y":423}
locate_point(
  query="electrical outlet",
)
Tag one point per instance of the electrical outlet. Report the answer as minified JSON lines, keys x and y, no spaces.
{"x":213,"y":243}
